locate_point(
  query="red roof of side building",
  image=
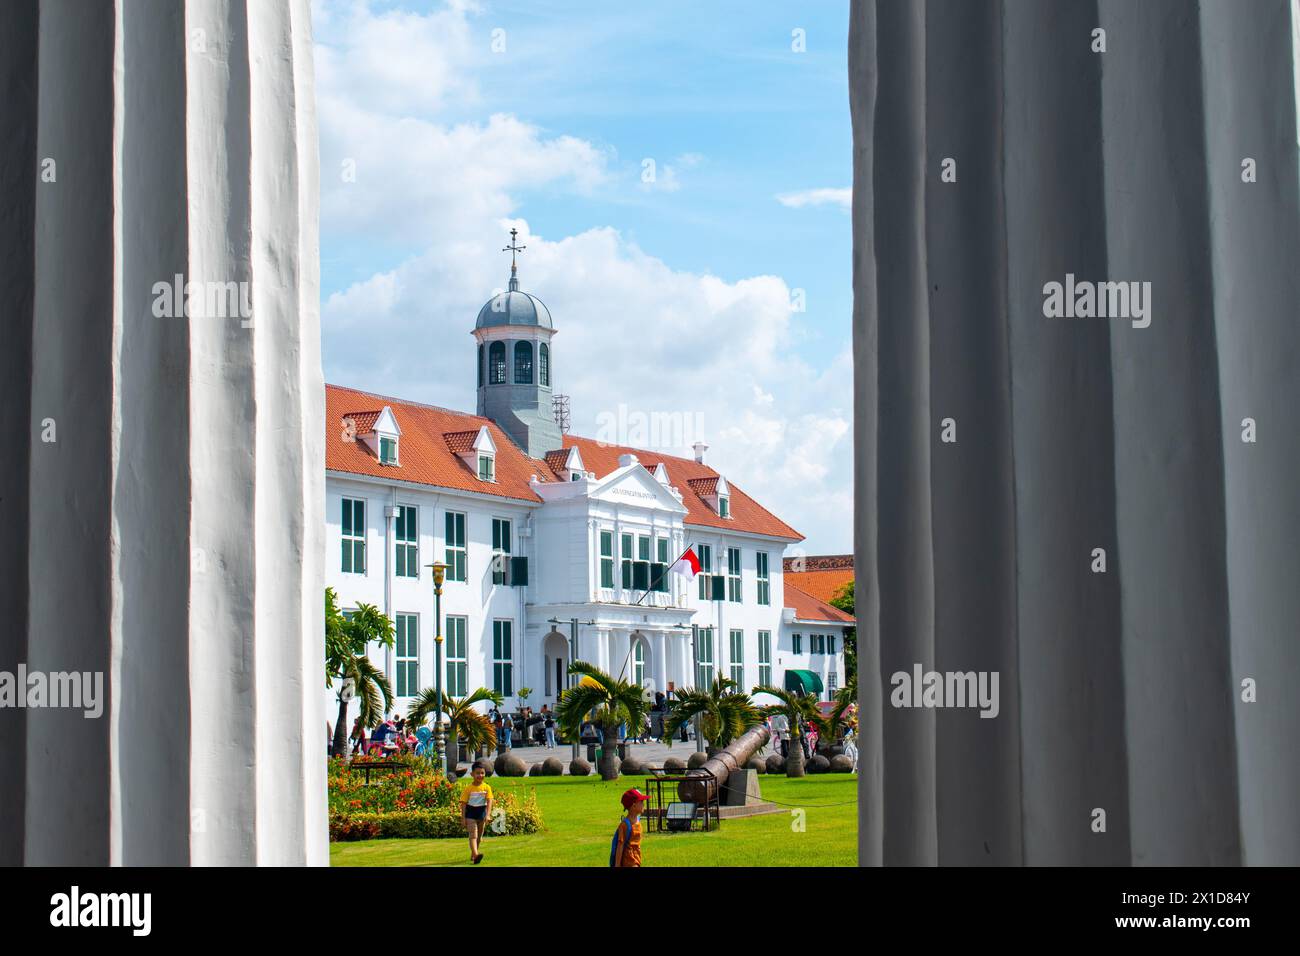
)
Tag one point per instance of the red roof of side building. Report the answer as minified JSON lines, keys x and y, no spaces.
{"x":425,"y":453}
{"x":684,"y":474}
{"x":822,"y":576}
{"x":808,"y":608}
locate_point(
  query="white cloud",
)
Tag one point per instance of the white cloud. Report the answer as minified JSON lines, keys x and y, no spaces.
{"x":631,"y":330}
{"x":817,"y":197}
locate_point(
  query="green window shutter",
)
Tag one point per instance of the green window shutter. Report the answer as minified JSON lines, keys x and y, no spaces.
{"x":519,"y":572}
{"x":659,"y":576}
{"x":627,"y":575}
{"x":719,"y":584}
{"x":640,"y":575}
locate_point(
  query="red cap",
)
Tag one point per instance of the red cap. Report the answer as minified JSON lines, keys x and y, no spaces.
{"x":632,"y":796}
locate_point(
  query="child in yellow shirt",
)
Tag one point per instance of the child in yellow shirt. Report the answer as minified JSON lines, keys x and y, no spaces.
{"x":476,"y":809}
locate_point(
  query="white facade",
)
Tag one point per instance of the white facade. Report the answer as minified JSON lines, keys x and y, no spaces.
{"x":561,"y":540}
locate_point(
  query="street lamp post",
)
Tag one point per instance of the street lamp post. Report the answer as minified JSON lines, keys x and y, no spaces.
{"x":439,"y":735}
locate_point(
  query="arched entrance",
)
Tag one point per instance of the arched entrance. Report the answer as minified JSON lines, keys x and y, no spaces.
{"x":555,"y":664}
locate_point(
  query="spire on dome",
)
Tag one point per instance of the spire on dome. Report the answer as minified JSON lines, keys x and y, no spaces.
{"x":514,"y":248}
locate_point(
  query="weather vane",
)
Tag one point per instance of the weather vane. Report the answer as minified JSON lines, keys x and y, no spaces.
{"x":514,"y":248}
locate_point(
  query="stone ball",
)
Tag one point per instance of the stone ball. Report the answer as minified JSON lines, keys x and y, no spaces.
{"x":674,"y":765}
{"x":552,"y":767}
{"x":632,"y":766}
{"x":696,"y":760}
{"x":579,"y":768}
{"x":818,"y":764}
{"x":775,"y":763}
{"x":513,"y":767}
{"x":535,"y":770}
{"x":841,"y":764}
{"x":756,"y":763}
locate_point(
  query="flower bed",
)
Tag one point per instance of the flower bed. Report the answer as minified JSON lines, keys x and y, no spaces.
{"x":415,"y":801}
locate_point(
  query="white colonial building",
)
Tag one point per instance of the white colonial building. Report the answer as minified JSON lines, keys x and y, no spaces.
{"x":541,"y":529}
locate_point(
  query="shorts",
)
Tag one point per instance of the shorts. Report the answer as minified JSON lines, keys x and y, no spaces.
{"x":476,"y":813}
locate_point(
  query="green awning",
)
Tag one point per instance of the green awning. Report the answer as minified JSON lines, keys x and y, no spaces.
{"x":803,"y":682}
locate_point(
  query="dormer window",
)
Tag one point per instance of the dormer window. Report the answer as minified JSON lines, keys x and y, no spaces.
{"x":477,"y":450}
{"x":378,"y":431}
{"x":715,"y":493}
{"x":724,"y":506}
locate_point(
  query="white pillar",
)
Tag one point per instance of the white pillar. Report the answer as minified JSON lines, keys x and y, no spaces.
{"x":171,"y":538}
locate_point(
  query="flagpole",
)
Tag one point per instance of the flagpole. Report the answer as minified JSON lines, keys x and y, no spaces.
{"x":664,"y":572}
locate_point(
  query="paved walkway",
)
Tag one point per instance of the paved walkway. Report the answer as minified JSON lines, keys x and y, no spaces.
{"x":653,"y":753}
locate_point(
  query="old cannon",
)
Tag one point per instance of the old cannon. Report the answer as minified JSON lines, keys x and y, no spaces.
{"x":721,"y":765}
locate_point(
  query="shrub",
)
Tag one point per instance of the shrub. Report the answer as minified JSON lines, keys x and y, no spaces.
{"x":521,"y":816}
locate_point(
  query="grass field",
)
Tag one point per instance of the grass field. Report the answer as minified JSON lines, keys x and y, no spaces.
{"x":580,"y":814}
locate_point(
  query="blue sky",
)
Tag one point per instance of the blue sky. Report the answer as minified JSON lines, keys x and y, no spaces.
{"x":452,"y":142}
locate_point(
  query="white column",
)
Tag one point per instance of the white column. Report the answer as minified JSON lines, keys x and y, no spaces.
{"x":174,"y":530}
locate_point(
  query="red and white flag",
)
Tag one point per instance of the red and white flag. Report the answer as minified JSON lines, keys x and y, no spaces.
{"x":688,"y":565}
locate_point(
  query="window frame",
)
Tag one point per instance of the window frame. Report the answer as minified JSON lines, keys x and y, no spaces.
{"x":457,"y":664}
{"x":353,"y":543}
{"x":765,"y":658}
{"x":525,"y":368}
{"x":544,"y":365}
{"x":406,"y":559}
{"x":503,"y":532}
{"x":456,"y":554}
{"x":705,"y":553}
{"x":763,"y":568}
{"x":736,"y":655}
{"x":497,"y":363}
{"x":735,"y":593}
{"x":503,"y":665}
{"x":704,"y":640}
{"x":488,"y":473}
{"x":406,"y":666}
{"x":796,"y":643}
{"x":606,"y":537}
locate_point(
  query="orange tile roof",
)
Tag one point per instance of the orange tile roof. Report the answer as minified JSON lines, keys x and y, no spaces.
{"x":808,"y":608}
{"x":823,"y":585}
{"x":363,"y":421}
{"x":425,"y":455}
{"x":704,"y":486}
{"x":555,"y":460}
{"x":746,"y":513}
{"x":461,"y":442}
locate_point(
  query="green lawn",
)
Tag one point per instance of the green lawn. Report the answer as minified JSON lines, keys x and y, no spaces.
{"x":580,"y":814}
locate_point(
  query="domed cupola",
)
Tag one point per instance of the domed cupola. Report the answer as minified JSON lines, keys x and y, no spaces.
{"x":514,"y":331}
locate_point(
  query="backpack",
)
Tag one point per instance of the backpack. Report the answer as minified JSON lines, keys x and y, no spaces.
{"x":613,"y":844}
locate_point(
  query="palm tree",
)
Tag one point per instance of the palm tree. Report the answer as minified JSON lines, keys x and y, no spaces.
{"x":794,"y":707}
{"x":461,"y":717}
{"x":345,"y":657}
{"x":830,"y":727}
{"x":725,"y":712}
{"x":613,"y":700}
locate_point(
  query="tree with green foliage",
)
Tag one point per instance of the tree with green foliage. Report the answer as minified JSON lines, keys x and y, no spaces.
{"x":612,"y":701}
{"x":725,"y":712}
{"x":796,"y":708}
{"x":462,"y":719}
{"x":346,"y":639}
{"x":830,"y":727}
{"x":843,"y":600}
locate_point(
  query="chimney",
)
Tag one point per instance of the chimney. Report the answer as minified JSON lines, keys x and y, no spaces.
{"x":625,"y":460}
{"x":700,"y":449}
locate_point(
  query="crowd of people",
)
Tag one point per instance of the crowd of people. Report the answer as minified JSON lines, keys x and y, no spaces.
{"x":396,"y":735}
